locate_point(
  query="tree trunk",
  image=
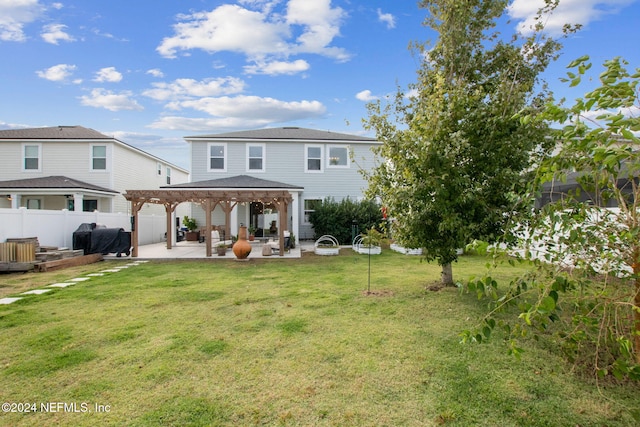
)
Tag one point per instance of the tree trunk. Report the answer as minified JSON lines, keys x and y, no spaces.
{"x":447,"y":275}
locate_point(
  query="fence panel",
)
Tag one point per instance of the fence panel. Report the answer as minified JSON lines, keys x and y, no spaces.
{"x":55,"y":228}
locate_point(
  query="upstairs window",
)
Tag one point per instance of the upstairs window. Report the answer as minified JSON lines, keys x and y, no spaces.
{"x":313,"y":158}
{"x":31,"y":157}
{"x":338,"y":156}
{"x":159,"y":169}
{"x":168,"y":176}
{"x":255,"y":158}
{"x":99,"y":157}
{"x":218,"y":157}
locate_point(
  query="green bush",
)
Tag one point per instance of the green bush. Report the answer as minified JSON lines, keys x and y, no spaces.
{"x":337,"y":218}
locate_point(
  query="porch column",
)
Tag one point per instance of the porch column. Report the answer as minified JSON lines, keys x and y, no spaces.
{"x":233,"y":218}
{"x":78,"y":198}
{"x":295,"y":214}
{"x":15,"y":201}
{"x":282,"y":219}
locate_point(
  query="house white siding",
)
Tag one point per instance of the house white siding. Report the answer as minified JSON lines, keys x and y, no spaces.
{"x":63,"y":152}
{"x":285,"y":161}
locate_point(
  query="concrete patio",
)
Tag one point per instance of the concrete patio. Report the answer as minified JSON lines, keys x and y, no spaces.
{"x":195,"y":250}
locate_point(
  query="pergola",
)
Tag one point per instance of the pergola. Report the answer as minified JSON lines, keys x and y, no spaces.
{"x":208,"y":199}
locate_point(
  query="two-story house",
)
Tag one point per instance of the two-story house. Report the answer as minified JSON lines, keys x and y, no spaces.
{"x":76,"y":168}
{"x":309,"y":164}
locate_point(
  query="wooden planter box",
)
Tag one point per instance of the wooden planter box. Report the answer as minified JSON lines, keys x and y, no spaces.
{"x":192,"y":236}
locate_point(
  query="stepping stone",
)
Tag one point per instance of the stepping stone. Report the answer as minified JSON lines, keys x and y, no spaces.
{"x":111,"y":270}
{"x":95,"y":274}
{"x":79,"y":279}
{"x":61,"y":285}
{"x":36,"y":292}
{"x":8,"y":300}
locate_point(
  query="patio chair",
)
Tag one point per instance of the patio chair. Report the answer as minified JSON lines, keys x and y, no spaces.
{"x":275,"y":245}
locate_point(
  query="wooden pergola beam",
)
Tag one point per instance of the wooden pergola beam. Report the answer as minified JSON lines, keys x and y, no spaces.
{"x":209,"y":199}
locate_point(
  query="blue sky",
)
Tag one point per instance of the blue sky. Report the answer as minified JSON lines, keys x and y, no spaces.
{"x":149,"y":72}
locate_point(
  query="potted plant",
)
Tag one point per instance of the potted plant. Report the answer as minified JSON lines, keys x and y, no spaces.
{"x":221,"y":248}
{"x":252,"y":233}
{"x":192,"y":235}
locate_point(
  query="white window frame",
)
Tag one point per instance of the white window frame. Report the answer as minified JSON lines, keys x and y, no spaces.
{"x":346,"y":148}
{"x":24,"y":157}
{"x":159,"y":169}
{"x":263,"y":158}
{"x":306,"y":212}
{"x":92,"y":158}
{"x":168,"y":175}
{"x":307,"y":158}
{"x":224,"y":157}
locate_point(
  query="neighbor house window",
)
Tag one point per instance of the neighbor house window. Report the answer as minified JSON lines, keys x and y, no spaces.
{"x":168,"y":176}
{"x":89,"y":205}
{"x":99,"y":157}
{"x":310,"y":205}
{"x":255,"y":158}
{"x":34,"y":204}
{"x":313,"y":158}
{"x":218,"y":157}
{"x":338,"y":156}
{"x":31,"y":157}
{"x":159,"y":169}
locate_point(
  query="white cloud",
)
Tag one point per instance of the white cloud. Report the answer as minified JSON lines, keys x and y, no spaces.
{"x":366,"y":96}
{"x":53,"y":33}
{"x":57,"y":73}
{"x":189,"y":88}
{"x":568,"y":12}
{"x":321,"y":25}
{"x":206,"y":124}
{"x":108,"y":74}
{"x":387,"y":18}
{"x":238,"y":112}
{"x":262,"y":33}
{"x":226,"y":28}
{"x":278,"y":67}
{"x":102,"y":98}
{"x":254,"y":107}
{"x":155,"y":72}
{"x":14,"y":15}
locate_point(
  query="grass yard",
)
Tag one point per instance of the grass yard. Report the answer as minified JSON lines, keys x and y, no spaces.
{"x":277,"y":342}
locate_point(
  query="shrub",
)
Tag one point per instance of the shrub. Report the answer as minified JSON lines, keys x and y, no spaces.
{"x":337,"y":218}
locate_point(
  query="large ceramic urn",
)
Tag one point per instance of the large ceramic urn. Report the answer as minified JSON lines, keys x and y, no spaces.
{"x":242,"y":248}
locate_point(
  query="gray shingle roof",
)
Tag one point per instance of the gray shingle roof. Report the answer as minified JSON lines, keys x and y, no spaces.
{"x":240,"y":181}
{"x":51,"y":182}
{"x":287,"y":133}
{"x":56,"y":132}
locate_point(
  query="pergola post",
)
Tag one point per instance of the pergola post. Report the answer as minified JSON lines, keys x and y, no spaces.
{"x":207,"y":238}
{"x":136,"y":205}
{"x":168,"y":209}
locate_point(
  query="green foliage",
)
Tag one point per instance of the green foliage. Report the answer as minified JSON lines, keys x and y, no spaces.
{"x":455,"y":152}
{"x":585,"y":290}
{"x":336,"y":218}
{"x":190,"y":223}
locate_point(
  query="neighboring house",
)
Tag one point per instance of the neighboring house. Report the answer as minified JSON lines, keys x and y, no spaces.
{"x":75,"y":168}
{"x":310,"y":164}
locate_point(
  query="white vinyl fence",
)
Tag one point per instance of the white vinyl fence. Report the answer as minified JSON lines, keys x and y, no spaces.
{"x":55,"y":228}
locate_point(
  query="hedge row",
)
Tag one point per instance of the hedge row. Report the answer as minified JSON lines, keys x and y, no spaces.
{"x":341,"y":219}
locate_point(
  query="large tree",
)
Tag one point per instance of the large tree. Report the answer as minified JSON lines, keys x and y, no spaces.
{"x":454,"y":152}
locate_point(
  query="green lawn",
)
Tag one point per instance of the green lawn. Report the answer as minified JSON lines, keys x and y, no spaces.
{"x":278,"y":342}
